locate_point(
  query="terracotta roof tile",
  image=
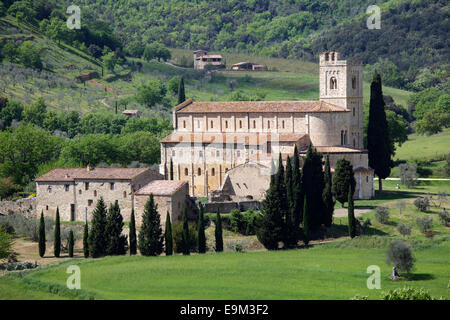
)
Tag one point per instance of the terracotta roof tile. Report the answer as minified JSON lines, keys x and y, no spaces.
{"x":70,"y":174}
{"x":191,"y":106}
{"x":338,"y":149}
{"x":161,"y":187}
{"x":248,"y":138}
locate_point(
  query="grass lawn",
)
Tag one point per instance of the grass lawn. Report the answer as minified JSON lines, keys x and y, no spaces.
{"x":421,"y":147}
{"x":320,"y":272}
{"x":333,"y":270}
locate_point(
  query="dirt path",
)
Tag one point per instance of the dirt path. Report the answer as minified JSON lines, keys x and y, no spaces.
{"x":109,"y":89}
{"x":343,"y":212}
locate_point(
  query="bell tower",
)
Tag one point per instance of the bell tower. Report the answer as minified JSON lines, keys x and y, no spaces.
{"x":341,"y":84}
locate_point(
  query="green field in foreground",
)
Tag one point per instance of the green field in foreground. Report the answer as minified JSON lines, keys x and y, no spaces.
{"x":316,"y":273}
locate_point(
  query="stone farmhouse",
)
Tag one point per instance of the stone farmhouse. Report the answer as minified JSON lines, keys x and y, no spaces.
{"x":75,"y":191}
{"x":202,"y":59}
{"x":248,"y":66}
{"x":227,"y":147}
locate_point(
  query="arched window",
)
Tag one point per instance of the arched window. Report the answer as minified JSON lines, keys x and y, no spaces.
{"x":268,"y":124}
{"x":95,"y":193}
{"x":186,"y":171}
{"x":184,"y":124}
{"x":199,"y":171}
{"x":354,"y":82}
{"x":213,"y":172}
{"x":226,"y":124}
{"x":124,"y":194}
{"x":254,"y":124}
{"x":333,"y":83}
{"x":282,"y":124}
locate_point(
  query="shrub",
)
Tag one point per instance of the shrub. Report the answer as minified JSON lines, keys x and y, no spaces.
{"x":425,"y":224}
{"x":243,"y":223}
{"x":404,"y":229}
{"x":6,"y":243}
{"x":400,"y":254}
{"x":422,"y":203}
{"x":406,"y":294}
{"x":382,"y":214}
{"x":238,"y":247}
{"x":10,"y":266}
{"x":177,"y":231}
{"x":24,"y":227}
{"x":444,"y":218}
{"x":408,"y":174}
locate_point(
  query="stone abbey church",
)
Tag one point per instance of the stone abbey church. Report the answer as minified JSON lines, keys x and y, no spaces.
{"x":226,"y":149}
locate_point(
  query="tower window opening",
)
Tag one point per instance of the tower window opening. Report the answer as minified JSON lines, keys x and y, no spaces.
{"x":254,"y":124}
{"x":333,"y":83}
{"x":354,"y":82}
{"x":186,"y":171}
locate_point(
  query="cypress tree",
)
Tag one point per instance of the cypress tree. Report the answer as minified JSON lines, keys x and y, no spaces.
{"x":171,"y":170}
{"x":150,"y":237}
{"x":290,"y":239}
{"x":351,"y":214}
{"x":185,"y":234}
{"x":42,"y":235}
{"x":85,"y":240}
{"x":133,"y":241}
{"x":201,"y":238}
{"x":97,"y":237}
{"x":57,"y":239}
{"x":181,"y":93}
{"x":343,"y":178}
{"x":116,"y":242}
{"x":168,"y":236}
{"x":306,"y":223}
{"x":328,"y":195}
{"x":378,"y":141}
{"x":269,"y":229}
{"x":218,"y":233}
{"x":297,"y":192}
{"x":71,"y":243}
{"x":313,"y":185}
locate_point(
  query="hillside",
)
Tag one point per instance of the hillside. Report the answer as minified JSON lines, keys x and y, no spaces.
{"x":295,"y":29}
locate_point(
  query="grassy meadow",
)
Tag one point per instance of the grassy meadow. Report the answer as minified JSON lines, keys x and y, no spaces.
{"x":334,"y":268}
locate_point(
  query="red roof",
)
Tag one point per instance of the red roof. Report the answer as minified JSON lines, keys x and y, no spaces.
{"x":161,"y":187}
{"x":71,"y":174}
{"x":247,"y":138}
{"x":191,"y":106}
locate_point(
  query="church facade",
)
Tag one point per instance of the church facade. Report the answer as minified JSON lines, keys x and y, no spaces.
{"x":216,"y":146}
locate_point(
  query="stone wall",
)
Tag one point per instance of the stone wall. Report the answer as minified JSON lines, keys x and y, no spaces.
{"x":25,"y":207}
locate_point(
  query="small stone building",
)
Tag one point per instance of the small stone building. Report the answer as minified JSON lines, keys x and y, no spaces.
{"x":75,"y":191}
{"x":170,"y":196}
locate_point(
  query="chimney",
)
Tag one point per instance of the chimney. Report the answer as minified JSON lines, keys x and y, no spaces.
{"x":89,"y":167}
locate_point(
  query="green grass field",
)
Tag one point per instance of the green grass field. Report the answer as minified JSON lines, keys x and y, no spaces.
{"x":422,"y":147}
{"x":332,"y":270}
{"x":316,"y":273}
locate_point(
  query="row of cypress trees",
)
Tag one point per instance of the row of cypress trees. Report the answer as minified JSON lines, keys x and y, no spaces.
{"x":302,"y":198}
{"x":105,"y":236}
{"x":56,"y":238}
